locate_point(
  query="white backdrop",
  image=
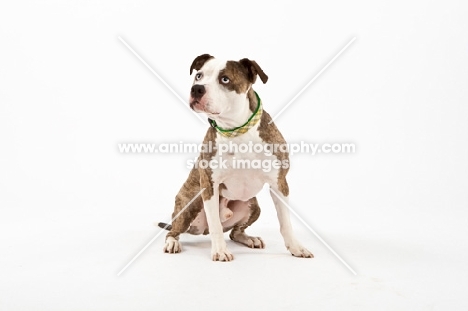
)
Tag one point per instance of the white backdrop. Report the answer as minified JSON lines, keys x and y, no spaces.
{"x":75,"y":210}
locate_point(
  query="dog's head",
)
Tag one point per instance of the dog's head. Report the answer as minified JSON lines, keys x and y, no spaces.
{"x":221,"y":86}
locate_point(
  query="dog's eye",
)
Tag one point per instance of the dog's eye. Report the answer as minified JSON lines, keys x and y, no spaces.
{"x":198,"y":76}
{"x":225,"y":80}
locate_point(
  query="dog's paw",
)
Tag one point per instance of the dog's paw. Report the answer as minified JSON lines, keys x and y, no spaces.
{"x":221,"y":255}
{"x":249,"y":241}
{"x":254,"y":242}
{"x":172,"y":246}
{"x":298,"y":250}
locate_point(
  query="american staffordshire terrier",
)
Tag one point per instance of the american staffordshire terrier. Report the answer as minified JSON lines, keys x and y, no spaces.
{"x":223,"y":91}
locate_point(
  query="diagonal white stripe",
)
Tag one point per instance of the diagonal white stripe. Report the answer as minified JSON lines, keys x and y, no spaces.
{"x":313,"y":231}
{"x":161,"y":79}
{"x":159,"y":233}
{"x":313,"y":79}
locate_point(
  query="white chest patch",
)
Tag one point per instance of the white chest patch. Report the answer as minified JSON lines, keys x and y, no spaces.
{"x":242,"y":167}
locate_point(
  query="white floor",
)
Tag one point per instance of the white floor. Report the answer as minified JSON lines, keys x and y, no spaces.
{"x":49,"y":264}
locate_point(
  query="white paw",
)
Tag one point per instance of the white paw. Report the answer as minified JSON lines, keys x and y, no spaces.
{"x":298,"y":250}
{"x":172,"y":246}
{"x":221,"y":255}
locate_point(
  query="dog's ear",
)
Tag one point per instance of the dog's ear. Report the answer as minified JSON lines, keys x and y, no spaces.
{"x":253,"y":69}
{"x":199,"y":61}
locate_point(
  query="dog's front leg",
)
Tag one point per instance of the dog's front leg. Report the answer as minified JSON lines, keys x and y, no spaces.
{"x":279,"y":199}
{"x":219,"y":249}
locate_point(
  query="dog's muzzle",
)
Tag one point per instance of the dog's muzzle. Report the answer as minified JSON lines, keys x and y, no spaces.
{"x":197,"y":91}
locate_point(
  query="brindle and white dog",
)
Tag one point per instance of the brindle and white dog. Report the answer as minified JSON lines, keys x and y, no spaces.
{"x":223,"y":91}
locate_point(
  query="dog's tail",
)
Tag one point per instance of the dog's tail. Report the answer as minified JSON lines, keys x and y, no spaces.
{"x":164,"y":226}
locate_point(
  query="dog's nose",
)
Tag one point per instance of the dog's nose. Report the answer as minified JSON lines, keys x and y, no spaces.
{"x":197,"y":91}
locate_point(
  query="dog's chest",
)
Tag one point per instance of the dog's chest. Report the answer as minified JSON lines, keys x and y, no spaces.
{"x":244,"y":168}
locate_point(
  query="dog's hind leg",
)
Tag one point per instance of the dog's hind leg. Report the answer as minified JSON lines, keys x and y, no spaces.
{"x":181,"y":222}
{"x":238,"y":231}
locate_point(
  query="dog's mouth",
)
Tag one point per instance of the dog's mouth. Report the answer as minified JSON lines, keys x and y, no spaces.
{"x":209,"y":114}
{"x":193,"y":105}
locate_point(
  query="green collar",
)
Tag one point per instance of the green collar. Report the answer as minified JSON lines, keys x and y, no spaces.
{"x":254,"y":118}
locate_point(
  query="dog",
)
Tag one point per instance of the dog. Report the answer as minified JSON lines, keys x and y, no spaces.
{"x":223,"y":91}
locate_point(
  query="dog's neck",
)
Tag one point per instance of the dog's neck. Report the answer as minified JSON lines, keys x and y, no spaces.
{"x":236,"y":117}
